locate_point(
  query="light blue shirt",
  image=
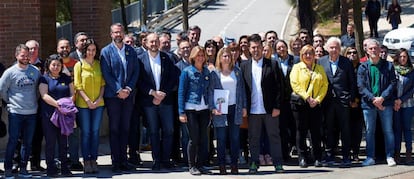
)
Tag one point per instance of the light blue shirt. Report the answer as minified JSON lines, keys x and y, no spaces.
{"x":334,"y":66}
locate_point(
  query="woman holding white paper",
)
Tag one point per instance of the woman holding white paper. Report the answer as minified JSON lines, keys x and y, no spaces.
{"x":227,"y":115}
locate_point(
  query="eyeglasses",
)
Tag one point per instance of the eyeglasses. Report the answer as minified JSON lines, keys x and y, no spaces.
{"x":383,"y":52}
{"x":353,"y":52}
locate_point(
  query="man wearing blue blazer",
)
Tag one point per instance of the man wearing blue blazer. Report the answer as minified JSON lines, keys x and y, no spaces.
{"x":339,"y":98}
{"x":120,"y":69}
{"x":157,"y":81}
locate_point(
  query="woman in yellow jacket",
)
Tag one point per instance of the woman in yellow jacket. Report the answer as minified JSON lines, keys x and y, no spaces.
{"x":89,"y":85}
{"x":309,"y":81}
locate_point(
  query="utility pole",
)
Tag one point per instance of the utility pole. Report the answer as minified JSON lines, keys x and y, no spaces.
{"x":185,"y":15}
{"x":143,"y":15}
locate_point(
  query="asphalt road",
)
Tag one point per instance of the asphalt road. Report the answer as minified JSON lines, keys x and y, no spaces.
{"x":233,"y":18}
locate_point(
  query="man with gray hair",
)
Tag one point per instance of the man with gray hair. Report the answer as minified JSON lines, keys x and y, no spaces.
{"x":376,"y":81}
{"x":340,"y":96}
{"x":80,"y":41}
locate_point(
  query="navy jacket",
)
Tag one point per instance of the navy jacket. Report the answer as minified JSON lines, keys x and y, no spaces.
{"x":168,"y":81}
{"x":342,"y":84}
{"x":215,"y":83}
{"x":113,"y":71}
{"x":387,"y":84}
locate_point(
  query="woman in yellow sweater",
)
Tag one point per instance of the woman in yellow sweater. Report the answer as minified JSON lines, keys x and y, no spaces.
{"x":309,"y":81}
{"x":89,"y":85}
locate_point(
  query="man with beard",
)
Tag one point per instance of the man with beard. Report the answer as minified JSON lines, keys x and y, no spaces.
{"x":157,"y":80}
{"x":18,"y":87}
{"x":63,"y":49}
{"x":376,"y":81}
{"x":80,"y":40}
{"x":264,"y":96}
{"x":120,"y":69}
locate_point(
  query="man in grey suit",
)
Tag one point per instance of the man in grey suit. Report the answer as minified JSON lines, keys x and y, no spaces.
{"x":339,"y":98}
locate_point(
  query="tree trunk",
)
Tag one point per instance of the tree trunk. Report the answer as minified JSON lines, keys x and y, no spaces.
{"x":306,"y":15}
{"x":359,"y":32}
{"x":336,"y":8}
{"x":123,"y":13}
{"x":185,"y":15}
{"x":344,"y":15}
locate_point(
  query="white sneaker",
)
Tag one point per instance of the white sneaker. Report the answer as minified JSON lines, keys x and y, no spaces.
{"x":391,"y":162}
{"x":368,"y":162}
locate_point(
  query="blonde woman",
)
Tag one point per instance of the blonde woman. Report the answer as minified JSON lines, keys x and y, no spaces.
{"x":228,"y":77}
{"x":309,"y":81}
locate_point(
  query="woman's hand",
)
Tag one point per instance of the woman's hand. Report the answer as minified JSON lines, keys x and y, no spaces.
{"x":215,"y":112}
{"x":183,"y":118}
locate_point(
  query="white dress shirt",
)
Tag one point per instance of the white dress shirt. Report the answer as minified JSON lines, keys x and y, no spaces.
{"x":155,"y":63}
{"x":257,"y":105}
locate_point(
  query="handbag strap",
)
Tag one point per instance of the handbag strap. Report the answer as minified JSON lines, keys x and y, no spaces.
{"x":313,"y":69}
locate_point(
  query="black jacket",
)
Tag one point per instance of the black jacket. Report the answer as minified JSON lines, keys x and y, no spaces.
{"x":271,"y":84}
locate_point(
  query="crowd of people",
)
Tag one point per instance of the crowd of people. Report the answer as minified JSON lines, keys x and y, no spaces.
{"x":262,"y":98}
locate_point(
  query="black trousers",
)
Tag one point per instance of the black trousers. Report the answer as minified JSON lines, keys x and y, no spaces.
{"x":337,"y":119}
{"x":197,"y":123}
{"x":308,"y":119}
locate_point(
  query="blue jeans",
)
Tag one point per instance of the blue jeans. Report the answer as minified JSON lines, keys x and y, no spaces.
{"x":231,"y":132}
{"x":90,"y":122}
{"x":160,"y":118}
{"x":19,"y":124}
{"x":385,"y":116}
{"x":402,"y":124}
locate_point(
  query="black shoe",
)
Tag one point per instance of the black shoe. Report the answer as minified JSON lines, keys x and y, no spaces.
{"x":302,"y":163}
{"x":52,"y":175}
{"x":346,"y":163}
{"x":116,"y":169}
{"x":318,"y":163}
{"x":156,"y":166}
{"x":204,"y":170}
{"x":194,"y":171}
{"x":167,"y":165}
{"x":76,"y":166}
{"x":127,"y":167}
{"x":37,"y":168}
{"x":67,"y":173}
{"x":136,"y":162}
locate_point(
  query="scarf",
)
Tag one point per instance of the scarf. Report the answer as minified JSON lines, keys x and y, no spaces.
{"x":403,"y":70}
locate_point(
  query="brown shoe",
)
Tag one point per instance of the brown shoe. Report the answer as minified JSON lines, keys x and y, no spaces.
{"x":94,"y":166}
{"x":223,"y":170}
{"x":234,"y":170}
{"x":397,"y":158}
{"x":87,"y":167}
{"x":408,"y":158}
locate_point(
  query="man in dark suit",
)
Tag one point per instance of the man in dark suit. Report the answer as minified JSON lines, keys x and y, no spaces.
{"x":287,"y":124}
{"x":120,"y":69}
{"x":79,"y":40}
{"x":264,"y":95}
{"x":341,"y":93}
{"x":158,"y":79}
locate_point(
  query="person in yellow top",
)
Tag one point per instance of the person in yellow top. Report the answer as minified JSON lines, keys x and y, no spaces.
{"x":89,"y":85}
{"x":309,"y":81}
